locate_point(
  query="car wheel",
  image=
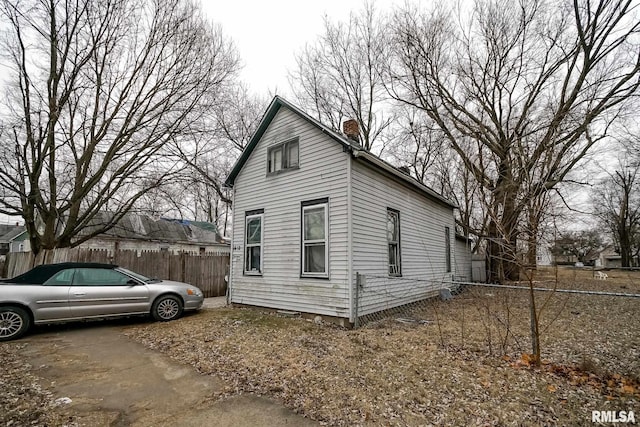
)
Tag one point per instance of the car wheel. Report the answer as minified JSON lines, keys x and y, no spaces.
{"x":167,"y":308}
{"x":14,"y":322}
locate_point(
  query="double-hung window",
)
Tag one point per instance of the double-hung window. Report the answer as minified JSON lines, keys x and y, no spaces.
{"x":393,"y":239}
{"x":447,"y":245}
{"x":253,"y":242}
{"x":315,"y":244}
{"x":283,"y":156}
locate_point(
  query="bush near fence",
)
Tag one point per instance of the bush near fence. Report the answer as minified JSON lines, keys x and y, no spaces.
{"x":204,"y":271}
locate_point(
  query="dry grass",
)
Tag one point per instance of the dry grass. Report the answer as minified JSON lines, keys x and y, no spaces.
{"x":465,"y":368}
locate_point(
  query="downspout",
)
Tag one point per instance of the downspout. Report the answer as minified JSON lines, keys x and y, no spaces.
{"x":351,"y":281}
{"x":231,"y":253}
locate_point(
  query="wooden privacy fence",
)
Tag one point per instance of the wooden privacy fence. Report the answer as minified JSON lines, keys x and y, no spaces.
{"x":204,"y":271}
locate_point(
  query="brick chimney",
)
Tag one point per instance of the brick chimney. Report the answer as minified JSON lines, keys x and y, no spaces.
{"x":351,"y":130}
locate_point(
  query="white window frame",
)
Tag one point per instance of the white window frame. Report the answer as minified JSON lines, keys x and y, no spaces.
{"x":398,"y":272}
{"x":248,"y":245}
{"x":304,"y":243}
{"x":285,"y":165}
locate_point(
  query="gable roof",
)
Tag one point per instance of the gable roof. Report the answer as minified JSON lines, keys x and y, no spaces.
{"x":356,"y":150}
{"x":10,"y":232}
{"x":273,"y":108}
{"x":135,"y":226}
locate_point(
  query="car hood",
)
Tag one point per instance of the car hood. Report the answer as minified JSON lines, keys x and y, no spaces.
{"x":173,"y":283}
{"x":170,"y":284}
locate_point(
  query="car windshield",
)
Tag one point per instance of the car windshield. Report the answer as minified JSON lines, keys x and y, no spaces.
{"x":137,"y":276}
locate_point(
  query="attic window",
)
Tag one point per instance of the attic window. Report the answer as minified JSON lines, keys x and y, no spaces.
{"x":283,"y":157}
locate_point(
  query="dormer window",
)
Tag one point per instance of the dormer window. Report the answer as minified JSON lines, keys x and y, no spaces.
{"x":283,"y":157}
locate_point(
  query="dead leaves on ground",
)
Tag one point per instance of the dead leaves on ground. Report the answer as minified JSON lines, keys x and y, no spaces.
{"x":609,"y":385}
{"x":378,"y":376}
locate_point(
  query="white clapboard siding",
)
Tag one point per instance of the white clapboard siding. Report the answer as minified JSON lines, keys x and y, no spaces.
{"x":322,"y":174}
{"x":462,"y":260}
{"x":422,"y":237}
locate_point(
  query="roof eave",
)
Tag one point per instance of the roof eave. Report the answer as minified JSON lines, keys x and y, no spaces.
{"x":409,"y":180}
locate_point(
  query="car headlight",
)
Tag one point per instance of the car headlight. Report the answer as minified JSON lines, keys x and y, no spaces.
{"x":194,"y":291}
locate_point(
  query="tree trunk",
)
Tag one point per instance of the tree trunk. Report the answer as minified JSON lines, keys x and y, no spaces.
{"x":532,"y":237}
{"x":502,"y":233}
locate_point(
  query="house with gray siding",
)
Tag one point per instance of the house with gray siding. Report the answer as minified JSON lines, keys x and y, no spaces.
{"x":10,"y":236}
{"x":313,"y":211}
{"x":140,"y":232}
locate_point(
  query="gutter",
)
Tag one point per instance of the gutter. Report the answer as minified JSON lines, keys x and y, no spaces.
{"x":230,"y":274}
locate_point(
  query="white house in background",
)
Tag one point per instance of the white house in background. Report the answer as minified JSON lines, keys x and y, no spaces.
{"x":312,"y":209}
{"x":609,"y":258}
{"x":544,"y":257}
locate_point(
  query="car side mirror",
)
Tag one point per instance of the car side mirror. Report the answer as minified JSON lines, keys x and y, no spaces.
{"x":132,"y":282}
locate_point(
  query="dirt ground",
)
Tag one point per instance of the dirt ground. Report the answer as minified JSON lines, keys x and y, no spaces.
{"x":92,"y":375}
{"x":461,"y":362}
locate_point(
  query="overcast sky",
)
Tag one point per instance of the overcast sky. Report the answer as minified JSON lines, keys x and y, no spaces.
{"x":269,"y":34}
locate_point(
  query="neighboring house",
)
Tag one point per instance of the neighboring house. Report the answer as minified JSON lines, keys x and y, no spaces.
{"x":9,"y":236}
{"x":312,"y":209}
{"x":569,"y":250}
{"x":609,"y":258}
{"x":143,"y":233}
{"x":20,"y":243}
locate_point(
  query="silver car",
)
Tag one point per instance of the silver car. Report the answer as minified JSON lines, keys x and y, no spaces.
{"x":77,"y":291}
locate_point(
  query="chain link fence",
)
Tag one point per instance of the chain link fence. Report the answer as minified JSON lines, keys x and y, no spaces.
{"x":403,"y":298}
{"x":415,"y":300}
{"x":586,"y":325}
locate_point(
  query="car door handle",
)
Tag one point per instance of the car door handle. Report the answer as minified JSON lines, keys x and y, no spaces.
{"x":79,"y":294}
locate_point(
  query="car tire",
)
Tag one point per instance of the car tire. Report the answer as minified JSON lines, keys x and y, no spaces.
{"x":166,"y":308}
{"x":14,"y":323}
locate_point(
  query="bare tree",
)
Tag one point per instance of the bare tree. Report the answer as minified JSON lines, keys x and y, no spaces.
{"x":238,"y":117}
{"x":190,"y":197}
{"x":95,"y":91}
{"x":534,"y":84}
{"x":209,"y":156}
{"x":574,"y":246}
{"x":616,"y":202}
{"x":339,"y":77}
{"x":419,"y":145}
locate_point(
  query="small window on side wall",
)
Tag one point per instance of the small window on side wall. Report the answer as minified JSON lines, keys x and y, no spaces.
{"x":253,"y":243}
{"x":315,"y":244}
{"x":393,"y":239}
{"x":283,"y":156}
{"x":447,"y":244}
